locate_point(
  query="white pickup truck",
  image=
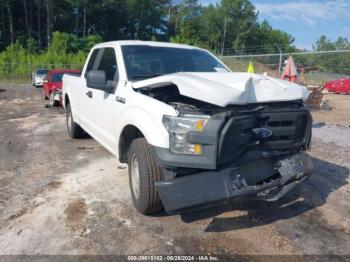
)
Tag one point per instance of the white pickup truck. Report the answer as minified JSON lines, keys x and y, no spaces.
{"x":192,"y":132}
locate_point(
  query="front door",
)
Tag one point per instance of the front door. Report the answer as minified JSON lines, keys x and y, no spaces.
{"x":102,"y":105}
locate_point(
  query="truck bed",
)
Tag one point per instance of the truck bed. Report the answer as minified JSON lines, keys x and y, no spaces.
{"x":73,"y":74}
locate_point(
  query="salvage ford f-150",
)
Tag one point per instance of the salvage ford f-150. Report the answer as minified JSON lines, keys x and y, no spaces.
{"x":192,"y":132}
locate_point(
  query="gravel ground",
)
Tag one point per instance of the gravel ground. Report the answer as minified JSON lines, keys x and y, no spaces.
{"x":64,"y":196}
{"x":338,"y":135}
{"x":340,"y":113}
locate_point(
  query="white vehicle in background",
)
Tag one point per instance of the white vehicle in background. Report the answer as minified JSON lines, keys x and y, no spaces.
{"x":39,"y":76}
{"x":192,"y":132}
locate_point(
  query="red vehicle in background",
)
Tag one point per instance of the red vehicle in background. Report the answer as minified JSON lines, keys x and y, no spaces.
{"x":53,"y":85}
{"x":338,"y":86}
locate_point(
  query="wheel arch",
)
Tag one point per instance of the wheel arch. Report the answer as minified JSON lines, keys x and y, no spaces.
{"x":135,"y":123}
{"x":128,"y":134}
{"x":66,"y":100}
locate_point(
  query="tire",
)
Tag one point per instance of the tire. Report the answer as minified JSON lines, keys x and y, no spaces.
{"x":74,"y":130}
{"x":52,"y":101}
{"x":143,"y":173}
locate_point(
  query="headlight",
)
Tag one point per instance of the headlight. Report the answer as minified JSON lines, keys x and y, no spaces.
{"x":179,"y":127}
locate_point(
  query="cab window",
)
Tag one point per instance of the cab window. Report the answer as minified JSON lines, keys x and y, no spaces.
{"x":108,"y":63}
{"x":92,"y":61}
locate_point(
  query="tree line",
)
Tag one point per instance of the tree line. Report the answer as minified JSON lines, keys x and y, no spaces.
{"x":48,"y":33}
{"x":229,"y":24}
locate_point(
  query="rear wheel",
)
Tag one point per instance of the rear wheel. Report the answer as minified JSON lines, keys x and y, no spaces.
{"x":74,"y":130}
{"x":143,"y":173}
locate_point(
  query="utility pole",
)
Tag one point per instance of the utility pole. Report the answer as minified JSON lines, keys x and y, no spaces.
{"x":280,"y":62}
{"x":169,"y":16}
{"x":224,"y":37}
{"x":76,"y":13}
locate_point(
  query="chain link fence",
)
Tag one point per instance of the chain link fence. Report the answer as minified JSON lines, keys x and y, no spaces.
{"x":22,"y":73}
{"x":314,"y":68}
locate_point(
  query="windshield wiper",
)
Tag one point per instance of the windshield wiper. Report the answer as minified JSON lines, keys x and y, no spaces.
{"x":145,"y":76}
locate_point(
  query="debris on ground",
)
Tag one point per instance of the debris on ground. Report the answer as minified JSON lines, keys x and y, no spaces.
{"x":315,"y":102}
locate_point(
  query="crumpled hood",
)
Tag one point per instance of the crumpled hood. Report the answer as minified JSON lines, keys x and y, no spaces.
{"x":223,"y":89}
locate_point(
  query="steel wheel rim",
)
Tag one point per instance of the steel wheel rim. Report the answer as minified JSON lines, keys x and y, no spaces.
{"x":135,"y":176}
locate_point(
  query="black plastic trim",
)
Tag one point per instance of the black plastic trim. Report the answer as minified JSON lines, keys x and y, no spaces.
{"x":210,"y":188}
{"x":237,"y":139}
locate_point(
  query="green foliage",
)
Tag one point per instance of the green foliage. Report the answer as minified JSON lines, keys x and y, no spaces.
{"x":65,"y":51}
{"x":336,"y":62}
{"x":90,"y":41}
{"x":230,"y":25}
{"x":32,"y":46}
{"x":227,"y":25}
{"x":325,"y":44}
{"x":269,"y":39}
{"x":63,"y":43}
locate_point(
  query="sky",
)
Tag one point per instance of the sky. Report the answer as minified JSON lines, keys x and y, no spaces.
{"x":305,"y":20}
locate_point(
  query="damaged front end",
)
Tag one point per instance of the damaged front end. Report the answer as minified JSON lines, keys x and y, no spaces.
{"x":266,"y":179}
{"x":219,"y":153}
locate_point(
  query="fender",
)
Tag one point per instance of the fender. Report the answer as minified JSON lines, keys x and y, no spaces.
{"x":150,"y":126}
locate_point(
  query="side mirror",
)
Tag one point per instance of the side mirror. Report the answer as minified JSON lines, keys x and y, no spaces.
{"x":97,"y":79}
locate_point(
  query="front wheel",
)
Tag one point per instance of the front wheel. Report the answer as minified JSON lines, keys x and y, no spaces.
{"x":74,"y":130}
{"x":143,"y":173}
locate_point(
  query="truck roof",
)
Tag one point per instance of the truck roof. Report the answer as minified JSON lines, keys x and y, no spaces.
{"x":151,"y":43}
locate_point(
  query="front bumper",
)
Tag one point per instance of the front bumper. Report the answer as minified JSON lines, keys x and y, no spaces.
{"x":38,"y":83}
{"x":57,"y":95}
{"x":264,"y":179}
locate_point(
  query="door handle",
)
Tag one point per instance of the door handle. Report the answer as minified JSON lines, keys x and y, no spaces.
{"x":120,"y":99}
{"x":89,"y":94}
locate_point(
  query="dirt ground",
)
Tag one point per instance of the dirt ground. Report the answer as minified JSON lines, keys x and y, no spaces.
{"x":340,"y":113}
{"x":64,"y":196}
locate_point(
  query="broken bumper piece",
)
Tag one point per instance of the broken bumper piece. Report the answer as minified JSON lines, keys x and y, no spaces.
{"x":263,"y":179}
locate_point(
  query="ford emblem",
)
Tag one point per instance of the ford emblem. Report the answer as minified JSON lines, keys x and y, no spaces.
{"x":262,"y":132}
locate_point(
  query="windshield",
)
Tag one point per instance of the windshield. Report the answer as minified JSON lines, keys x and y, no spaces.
{"x":57,"y":77}
{"x":41,"y":71}
{"x":143,"y":61}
